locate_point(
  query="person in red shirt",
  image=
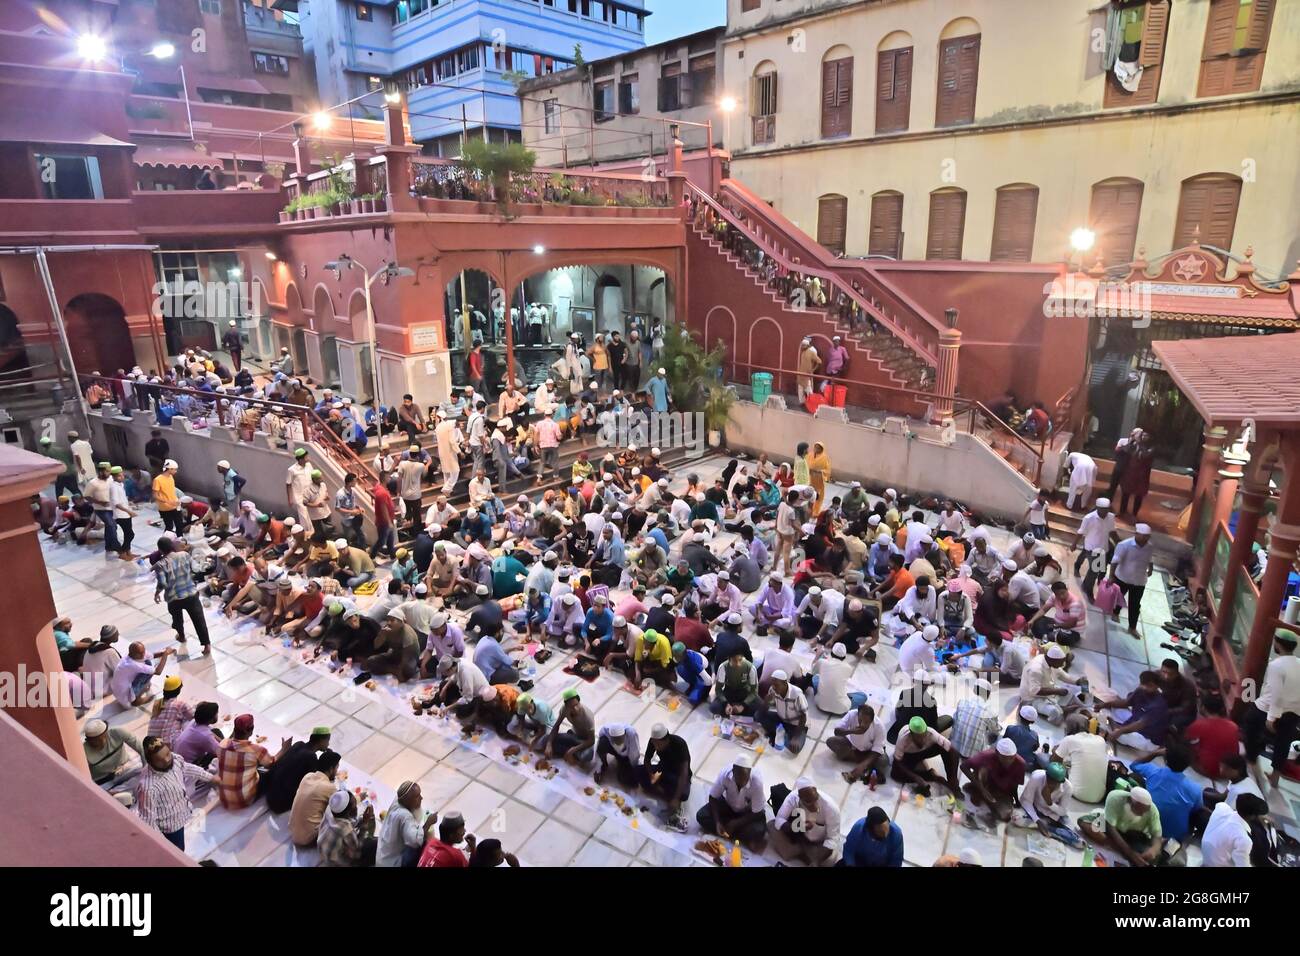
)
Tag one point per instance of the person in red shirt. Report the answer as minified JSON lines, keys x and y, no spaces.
{"x":691,"y":631}
{"x":443,"y":851}
{"x":385,"y":517}
{"x":1212,"y":738}
{"x":476,"y":369}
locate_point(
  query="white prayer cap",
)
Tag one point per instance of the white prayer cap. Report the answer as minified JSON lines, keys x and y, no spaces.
{"x":482,"y":589}
{"x":1103,"y":502}
{"x":930,"y":632}
{"x":724,"y":575}
{"x":422,"y":588}
{"x":775,"y":578}
{"x":340,"y":542}
{"x":95,"y":727}
{"x":982,"y":684}
{"x":700,"y":536}
{"x":734,"y":618}
{"x":436,"y":529}
{"x":658,"y":732}
{"x":780,"y":675}
{"x":488,"y":693}
{"x":855,"y":605}
{"x":570,"y":599}
{"x":620,"y":620}
{"x":170,"y":463}
{"x":1142,"y":529}
{"x":339,"y":799}
{"x":471,"y":513}
{"x":223,"y":464}
{"x":856,"y":484}
{"x":523,"y":498}
{"x":1041,"y":551}
{"x":783,"y":624}
{"x":662,"y":482}
{"x":814,"y":591}
{"x":662,"y":372}
{"x":636,"y":471}
{"x":839,"y":651}
{"x":616,"y":516}
{"x":1006,"y":747}
{"x":1140,"y":795}
{"x":744,"y":760}
{"x":631,"y":447}
{"x":667,"y":600}
{"x":550,"y":556}
{"x":891,"y":493}
{"x":1029,"y":713}
{"x":439,"y":620}
{"x":978,"y":535}
{"x":805,"y":783}
{"x":873,"y":521}
{"x":1028,"y":537}
{"x":1054,"y":653}
{"x":971,"y":857}
{"x":1009,"y":565}
{"x":394,"y":613}
{"x":186,"y":499}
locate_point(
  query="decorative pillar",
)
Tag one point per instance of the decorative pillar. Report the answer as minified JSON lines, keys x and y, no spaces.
{"x":1284,"y":539}
{"x":508,"y":285}
{"x":301,"y":158}
{"x":945,"y":380}
{"x":1214,"y":438}
{"x":28,"y":655}
{"x":1253,"y":495}
{"x":1229,"y":475}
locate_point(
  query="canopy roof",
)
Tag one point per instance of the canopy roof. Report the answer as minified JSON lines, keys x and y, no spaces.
{"x":1238,"y":377}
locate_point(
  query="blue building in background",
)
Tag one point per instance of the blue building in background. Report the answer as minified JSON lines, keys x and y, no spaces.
{"x":457,"y":61}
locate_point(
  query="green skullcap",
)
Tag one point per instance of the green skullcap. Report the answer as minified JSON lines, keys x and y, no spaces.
{"x":917,"y":725}
{"x":300,"y":453}
{"x":263,"y":518}
{"x":336,"y":607}
{"x":1056,"y":771}
{"x":569,"y":693}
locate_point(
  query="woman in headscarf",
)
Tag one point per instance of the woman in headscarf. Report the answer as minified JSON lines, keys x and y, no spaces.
{"x":784,"y":477}
{"x":728,"y":472}
{"x":819,"y":473}
{"x":801,"y":464}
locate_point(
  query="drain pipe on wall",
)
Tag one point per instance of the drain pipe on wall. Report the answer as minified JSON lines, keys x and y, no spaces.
{"x":43,"y":267}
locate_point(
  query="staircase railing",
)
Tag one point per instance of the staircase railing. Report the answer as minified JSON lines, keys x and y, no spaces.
{"x":859,"y":280}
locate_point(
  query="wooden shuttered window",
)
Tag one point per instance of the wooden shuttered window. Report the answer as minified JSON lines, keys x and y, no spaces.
{"x":747,"y":5}
{"x":1236,"y":39}
{"x":1014,"y":215}
{"x":1113,"y":215}
{"x":886,"y":238}
{"x":762,"y":107}
{"x":832,"y":222}
{"x":837,"y":97}
{"x":1207,"y":211}
{"x":959,"y":65}
{"x":947,"y":224}
{"x":893,"y":90}
{"x":1151,"y":33}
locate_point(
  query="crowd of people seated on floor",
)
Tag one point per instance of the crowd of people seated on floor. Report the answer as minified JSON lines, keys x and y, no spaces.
{"x":667,"y":581}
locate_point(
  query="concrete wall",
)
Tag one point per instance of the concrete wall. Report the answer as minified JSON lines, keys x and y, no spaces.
{"x":1039,"y":119}
{"x":884,"y":457}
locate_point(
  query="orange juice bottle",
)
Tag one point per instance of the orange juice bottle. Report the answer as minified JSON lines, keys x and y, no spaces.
{"x":736,"y":858}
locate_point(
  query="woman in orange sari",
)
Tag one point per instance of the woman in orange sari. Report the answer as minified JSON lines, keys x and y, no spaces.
{"x":819,"y":473}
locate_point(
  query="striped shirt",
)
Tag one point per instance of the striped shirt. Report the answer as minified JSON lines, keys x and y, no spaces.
{"x":175,"y":576}
{"x":162,"y":796}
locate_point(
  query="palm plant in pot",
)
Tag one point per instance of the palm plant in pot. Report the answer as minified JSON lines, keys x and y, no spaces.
{"x":496,"y":163}
{"x":695,"y":379}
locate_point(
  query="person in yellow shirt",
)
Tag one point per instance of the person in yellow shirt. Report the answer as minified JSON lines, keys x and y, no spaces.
{"x":168,"y":502}
{"x":652,"y":657}
{"x":819,"y":473}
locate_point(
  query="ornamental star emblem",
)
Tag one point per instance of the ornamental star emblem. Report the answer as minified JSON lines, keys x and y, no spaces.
{"x":1189,"y":268}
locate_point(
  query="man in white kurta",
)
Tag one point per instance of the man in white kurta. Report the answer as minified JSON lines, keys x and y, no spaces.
{"x":448,"y":453}
{"x":1083,"y":472}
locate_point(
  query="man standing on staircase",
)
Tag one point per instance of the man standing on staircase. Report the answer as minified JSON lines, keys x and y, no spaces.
{"x":809,"y":362}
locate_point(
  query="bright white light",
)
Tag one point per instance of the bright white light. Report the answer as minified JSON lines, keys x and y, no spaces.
{"x":236,"y":272}
{"x":393,"y":97}
{"x":539,"y":249}
{"x":1081,"y":239}
{"x":271,"y":256}
{"x":162,"y":51}
{"x":321,"y":120}
{"x":728,"y":103}
{"x":91,"y":47}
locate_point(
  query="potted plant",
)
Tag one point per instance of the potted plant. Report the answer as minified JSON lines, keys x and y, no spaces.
{"x":496,"y":163}
{"x":717,"y":408}
{"x":695,"y":379}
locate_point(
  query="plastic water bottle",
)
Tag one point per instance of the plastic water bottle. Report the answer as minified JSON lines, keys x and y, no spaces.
{"x":1089,"y":854}
{"x":778,"y":741}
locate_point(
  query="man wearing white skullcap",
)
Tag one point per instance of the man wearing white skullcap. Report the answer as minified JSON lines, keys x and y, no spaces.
{"x":983,"y":560}
{"x":975,"y":720}
{"x":1129,"y":824}
{"x":343,"y":839}
{"x":996,"y":775}
{"x":1047,"y":687}
{"x":807,"y":825}
{"x":737,"y":807}
{"x":1083,"y":472}
{"x":666,"y":773}
{"x":1097,"y":532}
{"x":917,"y":652}
{"x":784,"y":706}
{"x":1130,"y":567}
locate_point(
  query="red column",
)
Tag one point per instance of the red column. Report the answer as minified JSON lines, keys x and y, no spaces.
{"x":1225,"y":496}
{"x":1214,"y":438}
{"x":1284,"y":539}
{"x":1253,"y":495}
{"x":27,"y":606}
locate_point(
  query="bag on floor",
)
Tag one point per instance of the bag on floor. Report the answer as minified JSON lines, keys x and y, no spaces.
{"x":1108,"y":597}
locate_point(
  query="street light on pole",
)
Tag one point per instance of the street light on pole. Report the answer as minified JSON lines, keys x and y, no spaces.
{"x":390,"y":270}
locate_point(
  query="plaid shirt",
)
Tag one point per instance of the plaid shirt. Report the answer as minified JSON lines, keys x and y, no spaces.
{"x":974,"y":727}
{"x":237,"y":763}
{"x":339,"y":844}
{"x":162,"y":796}
{"x":170,"y":720}
{"x":175,"y":577}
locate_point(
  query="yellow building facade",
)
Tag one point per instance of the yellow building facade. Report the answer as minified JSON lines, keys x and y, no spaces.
{"x":992,"y":129}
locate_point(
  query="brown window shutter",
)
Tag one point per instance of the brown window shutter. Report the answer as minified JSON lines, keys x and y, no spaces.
{"x":959,"y":60}
{"x":837,"y":97}
{"x":1114,"y":214}
{"x":1155,"y":25}
{"x":1014,"y":216}
{"x":1261,"y":21}
{"x":748,"y":5}
{"x":1224,"y":68}
{"x":832,"y":222}
{"x":947,"y":224}
{"x":893,"y":90}
{"x":1207,"y":211}
{"x":886,"y":225}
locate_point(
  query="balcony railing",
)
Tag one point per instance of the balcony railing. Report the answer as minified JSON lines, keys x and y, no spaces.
{"x":449,"y":179}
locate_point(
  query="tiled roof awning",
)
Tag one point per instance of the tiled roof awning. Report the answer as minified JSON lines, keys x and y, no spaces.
{"x":173,"y":156}
{"x":1232,"y":379}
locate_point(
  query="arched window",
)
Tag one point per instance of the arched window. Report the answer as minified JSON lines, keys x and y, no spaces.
{"x":1207,"y":210}
{"x":886,"y":238}
{"x":1014,"y":215}
{"x":762,"y":103}
{"x":894,"y":83}
{"x":837,"y":92}
{"x":947,"y":224}
{"x":832,"y":221}
{"x":959,"y":66}
{"x":1113,"y":216}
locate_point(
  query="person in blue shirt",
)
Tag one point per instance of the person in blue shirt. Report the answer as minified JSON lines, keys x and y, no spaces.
{"x":1175,"y":796}
{"x":659,"y":536}
{"x":536,"y":610}
{"x":1025,"y":737}
{"x":404,"y":568}
{"x":875,"y":840}
{"x":692,"y":673}
{"x":660,"y":396}
{"x":598,"y":627}
{"x":508,"y":575}
{"x":475,"y":527}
